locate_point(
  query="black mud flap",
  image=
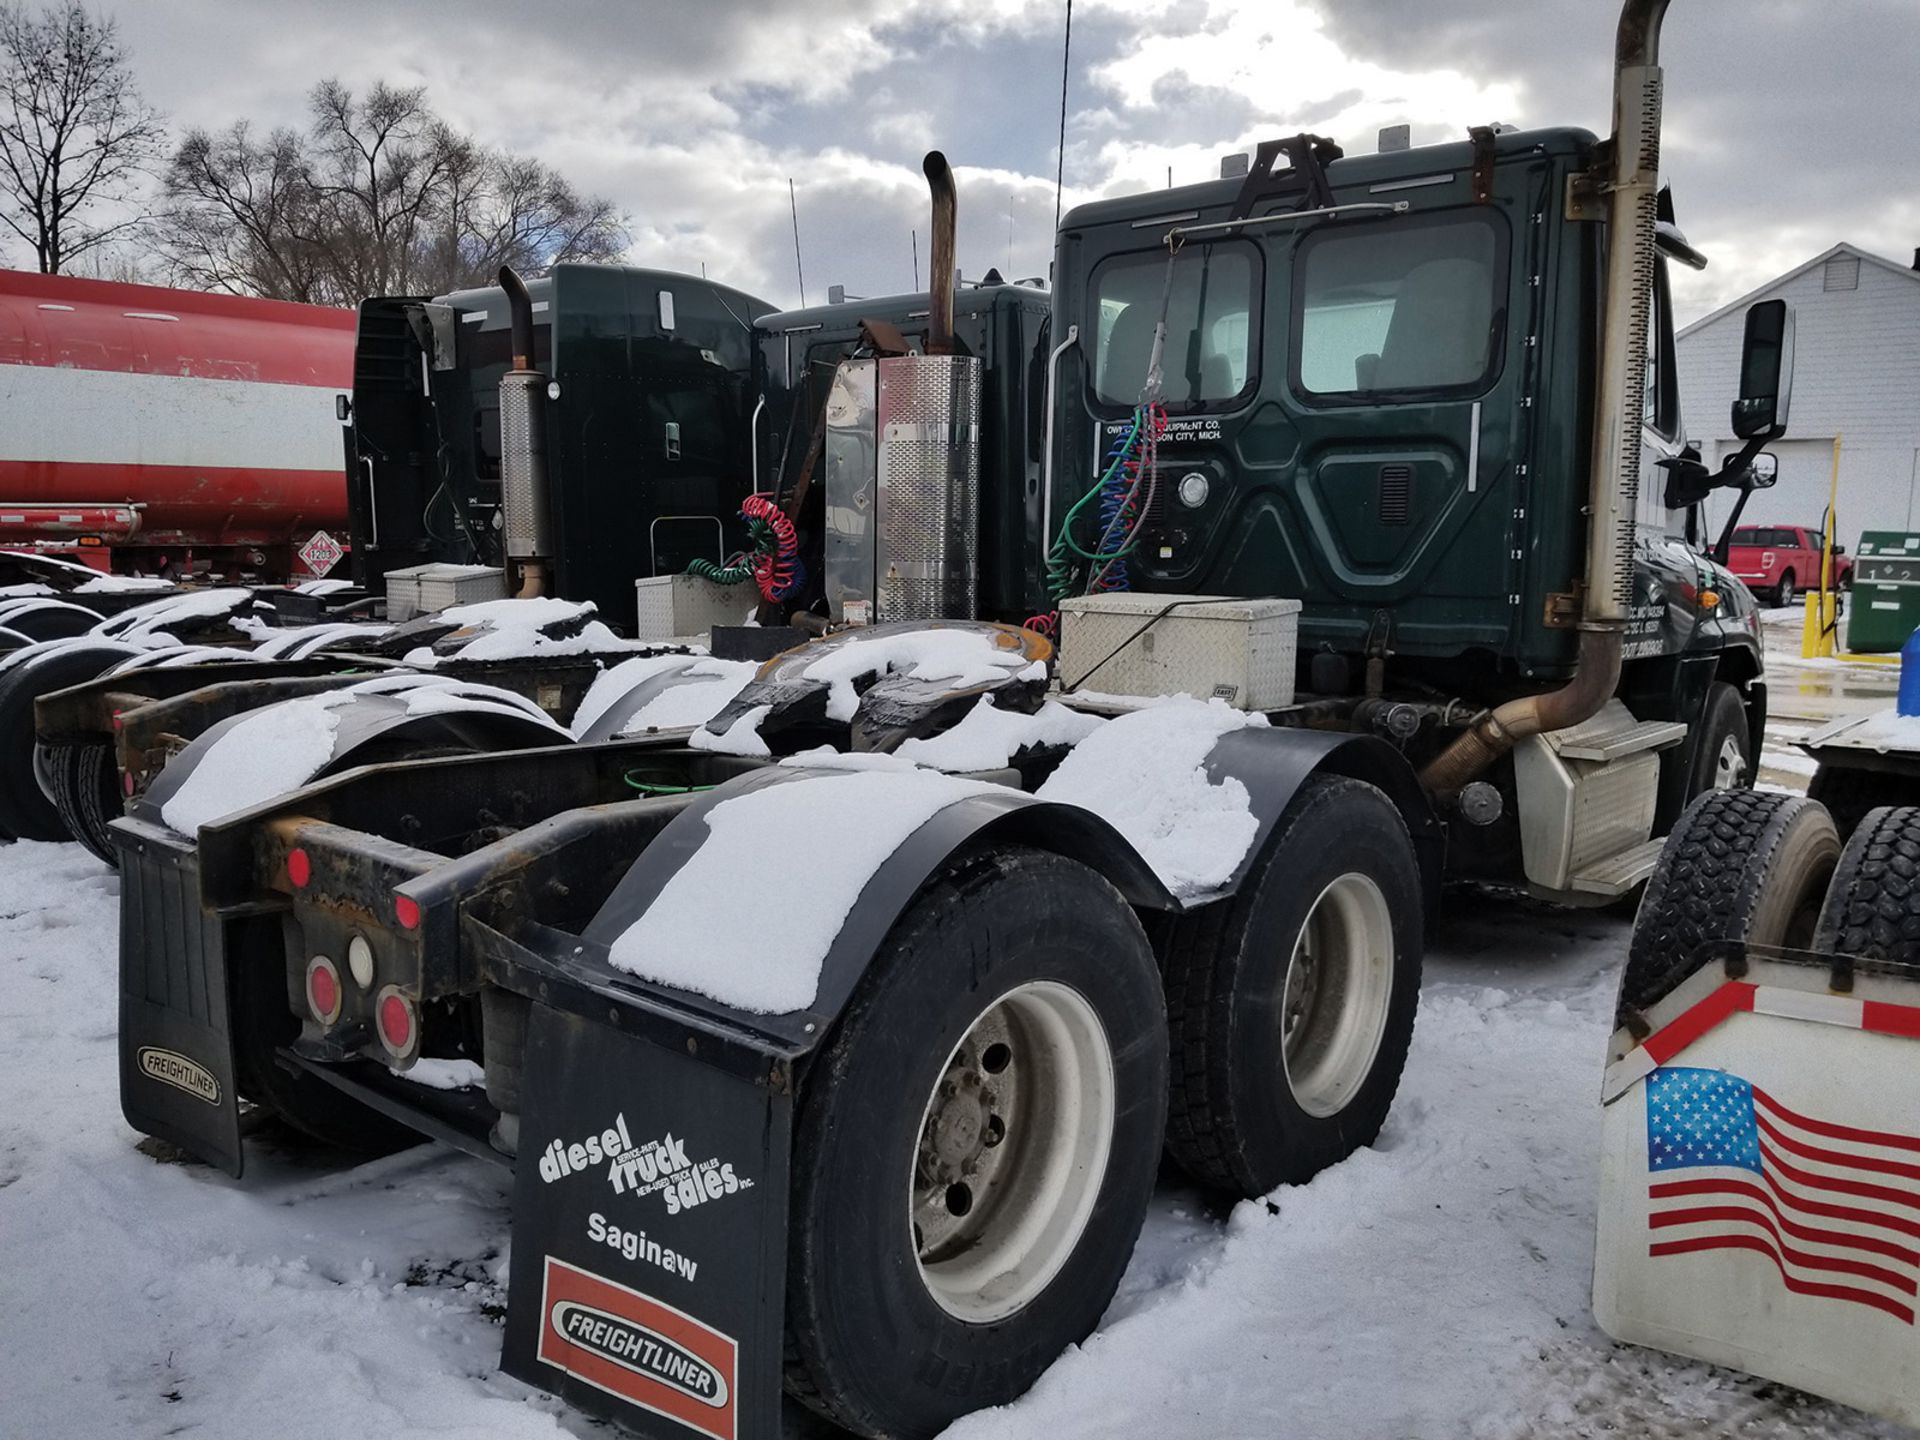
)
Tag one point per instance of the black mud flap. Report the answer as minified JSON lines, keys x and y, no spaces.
{"x":176,"y":1048}
{"x":649,"y":1223}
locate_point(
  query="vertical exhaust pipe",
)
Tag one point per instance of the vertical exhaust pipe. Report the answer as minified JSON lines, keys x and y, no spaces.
{"x":526,"y":513}
{"x":946,"y":210}
{"x":1631,"y":185}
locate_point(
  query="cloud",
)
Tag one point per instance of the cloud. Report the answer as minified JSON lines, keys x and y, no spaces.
{"x":1788,"y":127}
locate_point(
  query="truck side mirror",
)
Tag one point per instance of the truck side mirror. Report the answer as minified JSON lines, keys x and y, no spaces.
{"x":1762,"y":471}
{"x":1766,"y":371}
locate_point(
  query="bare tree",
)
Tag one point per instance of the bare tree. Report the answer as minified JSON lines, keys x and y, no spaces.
{"x":379,"y":197}
{"x":241,"y":215}
{"x":74,"y":133}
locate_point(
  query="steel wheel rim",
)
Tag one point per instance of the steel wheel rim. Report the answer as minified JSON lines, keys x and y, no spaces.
{"x":1336,"y":994}
{"x":1730,"y":764}
{"x":1786,"y":592}
{"x":1012,"y":1150}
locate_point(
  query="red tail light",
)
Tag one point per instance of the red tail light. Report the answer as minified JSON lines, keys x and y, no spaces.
{"x":399,"y":1026}
{"x":406,"y":910}
{"x":299,"y":868}
{"x":127,"y":783}
{"x":323,"y":989}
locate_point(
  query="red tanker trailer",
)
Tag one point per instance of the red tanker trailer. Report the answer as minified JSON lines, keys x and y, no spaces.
{"x":167,"y":431}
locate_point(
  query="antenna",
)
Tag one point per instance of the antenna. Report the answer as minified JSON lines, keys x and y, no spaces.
{"x":1066,"y":55}
{"x":916,"y":258}
{"x":801,"y":274}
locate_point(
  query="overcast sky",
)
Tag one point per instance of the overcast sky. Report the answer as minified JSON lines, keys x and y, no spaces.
{"x":1790,"y":125}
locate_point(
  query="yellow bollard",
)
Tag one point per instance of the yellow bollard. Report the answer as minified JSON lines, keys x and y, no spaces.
{"x":1816,"y":630}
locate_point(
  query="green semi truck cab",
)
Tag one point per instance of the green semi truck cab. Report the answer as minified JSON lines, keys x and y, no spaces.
{"x":1377,"y":395}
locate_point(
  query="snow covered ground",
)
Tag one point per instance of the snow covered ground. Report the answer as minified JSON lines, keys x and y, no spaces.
{"x":1435,"y":1286}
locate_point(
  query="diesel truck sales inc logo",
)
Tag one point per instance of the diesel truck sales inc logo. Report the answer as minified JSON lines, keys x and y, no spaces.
{"x":172,"y":1068}
{"x":637,"y":1348}
{"x":651,"y":1167}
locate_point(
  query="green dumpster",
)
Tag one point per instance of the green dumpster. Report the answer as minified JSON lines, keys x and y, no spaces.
{"x":1886,"y":591}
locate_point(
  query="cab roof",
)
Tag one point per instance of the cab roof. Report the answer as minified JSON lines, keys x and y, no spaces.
{"x":1349,"y":170}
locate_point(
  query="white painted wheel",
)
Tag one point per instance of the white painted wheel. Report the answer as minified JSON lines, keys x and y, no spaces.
{"x":1012,"y":1153}
{"x":1338,"y":989}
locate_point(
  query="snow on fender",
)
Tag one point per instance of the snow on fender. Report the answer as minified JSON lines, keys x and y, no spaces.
{"x":251,"y":758}
{"x":796,"y":940}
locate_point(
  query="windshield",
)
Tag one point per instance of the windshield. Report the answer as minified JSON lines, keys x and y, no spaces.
{"x":1210,"y":319}
{"x":1765,"y":535}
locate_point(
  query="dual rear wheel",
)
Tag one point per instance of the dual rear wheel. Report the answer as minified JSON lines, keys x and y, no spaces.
{"x":977,"y":1143}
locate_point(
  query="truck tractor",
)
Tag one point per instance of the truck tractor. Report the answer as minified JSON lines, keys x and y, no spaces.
{"x":1170,"y":648}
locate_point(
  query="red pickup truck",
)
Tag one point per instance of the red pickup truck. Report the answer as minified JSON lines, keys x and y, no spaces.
{"x":1779,"y":561}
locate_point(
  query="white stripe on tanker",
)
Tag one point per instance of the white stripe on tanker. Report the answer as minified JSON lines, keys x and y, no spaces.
{"x":72,"y":416}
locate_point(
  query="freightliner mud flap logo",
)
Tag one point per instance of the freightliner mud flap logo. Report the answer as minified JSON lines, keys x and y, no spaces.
{"x":170,"y":1067}
{"x":632,"y":1346}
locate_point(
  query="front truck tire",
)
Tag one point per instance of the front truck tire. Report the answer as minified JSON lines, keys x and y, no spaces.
{"x":1291,"y":1004}
{"x":1742,"y":866}
{"x":975,"y":1147}
{"x":1723,"y":758}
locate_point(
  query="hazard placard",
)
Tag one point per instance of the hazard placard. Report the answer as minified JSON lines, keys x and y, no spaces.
{"x":321,"y":552}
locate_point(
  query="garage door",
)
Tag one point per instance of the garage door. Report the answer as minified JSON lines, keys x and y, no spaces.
{"x":1800,"y":495}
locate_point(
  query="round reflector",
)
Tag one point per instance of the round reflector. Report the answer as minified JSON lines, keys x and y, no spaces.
{"x":360,"y":961}
{"x":398,"y":1029}
{"x":406,"y":910}
{"x":299,"y":868}
{"x":323,"y":989}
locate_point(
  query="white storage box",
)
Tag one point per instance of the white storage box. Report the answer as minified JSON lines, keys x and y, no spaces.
{"x":674,"y":607}
{"x":421,"y":589}
{"x":1206,"y":645}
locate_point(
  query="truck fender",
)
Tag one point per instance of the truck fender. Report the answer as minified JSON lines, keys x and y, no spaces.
{"x":1012,"y":817}
{"x":1274,"y":762}
{"x":367,"y":719}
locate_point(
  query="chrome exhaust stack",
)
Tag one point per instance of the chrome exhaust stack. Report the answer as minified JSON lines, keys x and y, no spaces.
{"x":1630,"y":184}
{"x":903,"y":463}
{"x":526,"y":514}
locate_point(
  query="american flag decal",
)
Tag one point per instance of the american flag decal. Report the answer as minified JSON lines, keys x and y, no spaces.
{"x":1835,"y":1208}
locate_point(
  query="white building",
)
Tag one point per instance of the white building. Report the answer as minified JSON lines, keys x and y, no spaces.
{"x":1856,"y":374}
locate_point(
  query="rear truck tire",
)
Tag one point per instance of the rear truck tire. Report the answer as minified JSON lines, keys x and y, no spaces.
{"x":1849,"y":793}
{"x":1748,"y":866}
{"x":25,"y":812}
{"x":261,"y":1023}
{"x":982,"y":1132}
{"x":1872,"y":909}
{"x":1783,"y":593}
{"x":1291,"y":1004}
{"x":86,"y":792}
{"x":1723,"y":759}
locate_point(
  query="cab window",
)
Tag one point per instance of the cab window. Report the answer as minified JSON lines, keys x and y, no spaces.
{"x":1663,"y":379}
{"x":1212,"y":317}
{"x":1410,"y":305}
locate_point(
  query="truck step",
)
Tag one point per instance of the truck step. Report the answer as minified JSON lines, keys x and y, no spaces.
{"x":1617,"y":874}
{"x":1614,"y":734}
